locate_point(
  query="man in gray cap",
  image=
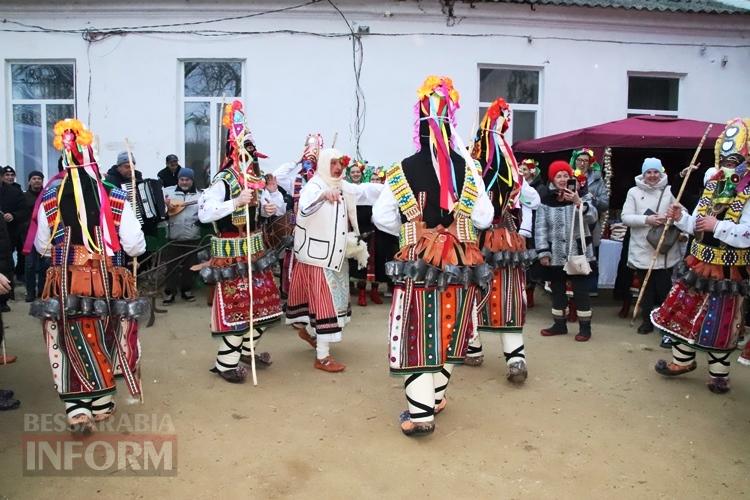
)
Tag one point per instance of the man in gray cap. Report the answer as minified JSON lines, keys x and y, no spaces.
{"x":168,"y":175}
{"x":119,"y":174}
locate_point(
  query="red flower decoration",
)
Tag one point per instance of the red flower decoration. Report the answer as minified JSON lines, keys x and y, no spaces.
{"x":344,"y":160}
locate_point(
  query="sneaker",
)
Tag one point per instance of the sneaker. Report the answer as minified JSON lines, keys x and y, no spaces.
{"x":188,"y":296}
{"x":168,"y":298}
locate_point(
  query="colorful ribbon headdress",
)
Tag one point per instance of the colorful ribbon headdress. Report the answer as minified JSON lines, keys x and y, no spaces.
{"x":592,"y":160}
{"x":240,"y":144}
{"x":74,"y":142}
{"x":309,"y":159}
{"x":437,"y":106}
{"x":499,"y":167}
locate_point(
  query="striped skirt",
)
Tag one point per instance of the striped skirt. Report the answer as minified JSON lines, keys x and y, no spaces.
{"x":429,"y":328}
{"x":82,"y":354}
{"x":708,"y":321}
{"x":319,"y":297}
{"x":503,"y":307}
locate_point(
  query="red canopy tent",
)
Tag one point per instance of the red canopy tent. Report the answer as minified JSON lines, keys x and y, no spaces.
{"x":629,"y":141}
{"x":645,"y":132}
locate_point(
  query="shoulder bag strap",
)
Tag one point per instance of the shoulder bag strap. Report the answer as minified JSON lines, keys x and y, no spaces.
{"x":581,"y":229}
{"x":658,"y":203}
{"x":572,"y":225}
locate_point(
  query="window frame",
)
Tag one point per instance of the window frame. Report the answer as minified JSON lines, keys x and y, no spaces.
{"x":43,"y":103}
{"x":653,"y":112}
{"x":215,"y":126}
{"x":537,"y":108}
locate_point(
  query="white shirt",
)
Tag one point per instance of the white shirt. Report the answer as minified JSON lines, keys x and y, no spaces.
{"x":387,"y":217}
{"x":734,"y":235}
{"x":285,"y":175}
{"x":530,"y":201}
{"x":276,"y":199}
{"x":131,"y":236}
{"x":212,"y":206}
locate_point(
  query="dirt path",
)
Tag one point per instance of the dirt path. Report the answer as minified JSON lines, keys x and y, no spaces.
{"x":593,"y":420}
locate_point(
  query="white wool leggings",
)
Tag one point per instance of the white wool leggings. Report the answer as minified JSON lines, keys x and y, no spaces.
{"x":718,"y":362}
{"x":89,"y":406}
{"x":513,"y":347}
{"x":231,"y":347}
{"x":424,"y":391}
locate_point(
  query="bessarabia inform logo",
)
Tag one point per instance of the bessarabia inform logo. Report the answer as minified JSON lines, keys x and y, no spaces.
{"x":138,"y":444}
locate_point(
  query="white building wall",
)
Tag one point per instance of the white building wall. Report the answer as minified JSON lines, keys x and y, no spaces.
{"x":295,"y":84}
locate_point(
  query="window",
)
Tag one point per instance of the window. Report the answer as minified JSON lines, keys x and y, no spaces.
{"x":653,"y":95}
{"x":206,"y":86}
{"x":41,"y":94}
{"x":520,"y":88}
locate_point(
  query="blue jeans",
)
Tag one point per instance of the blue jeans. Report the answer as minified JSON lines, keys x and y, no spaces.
{"x":35,"y":273}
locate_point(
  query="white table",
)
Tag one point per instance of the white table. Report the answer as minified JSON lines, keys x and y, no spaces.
{"x":609,"y":261}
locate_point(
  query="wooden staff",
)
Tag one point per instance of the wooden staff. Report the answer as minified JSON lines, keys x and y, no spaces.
{"x":132,"y":203}
{"x":243,"y":155}
{"x":335,"y":136}
{"x":669,"y":222}
{"x":135,"y":259}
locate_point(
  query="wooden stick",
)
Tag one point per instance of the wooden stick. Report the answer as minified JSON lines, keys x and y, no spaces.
{"x":243,"y":155}
{"x":335,"y":136}
{"x":637,"y":307}
{"x":135,"y":259}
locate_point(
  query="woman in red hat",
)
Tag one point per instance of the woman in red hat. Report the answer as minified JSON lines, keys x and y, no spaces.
{"x":554,"y":218}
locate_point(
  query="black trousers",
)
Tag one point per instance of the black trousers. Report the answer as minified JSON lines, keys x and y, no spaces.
{"x":656,"y":291}
{"x":180,"y":278}
{"x":557,"y":278}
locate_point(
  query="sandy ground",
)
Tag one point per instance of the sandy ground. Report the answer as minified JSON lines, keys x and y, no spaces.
{"x":593,"y":420}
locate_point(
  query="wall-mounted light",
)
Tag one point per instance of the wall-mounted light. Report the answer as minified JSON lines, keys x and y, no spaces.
{"x":724,"y":61}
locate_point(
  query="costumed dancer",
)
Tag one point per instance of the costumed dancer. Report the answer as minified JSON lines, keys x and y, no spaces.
{"x":503,"y":307}
{"x":435,"y":200}
{"x":704,"y":308}
{"x":318,"y":303}
{"x":291,"y":178}
{"x":89,"y":304}
{"x":223,"y":203}
{"x":360,"y":173}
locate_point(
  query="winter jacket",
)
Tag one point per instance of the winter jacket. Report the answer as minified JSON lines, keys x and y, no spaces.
{"x":552,"y":228}
{"x":12,"y":202}
{"x":167,"y":178}
{"x":600,"y":198}
{"x":115,"y":178}
{"x":184,"y":225}
{"x":641,"y":198}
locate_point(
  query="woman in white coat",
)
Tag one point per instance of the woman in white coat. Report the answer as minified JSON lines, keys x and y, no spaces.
{"x":645,"y":207}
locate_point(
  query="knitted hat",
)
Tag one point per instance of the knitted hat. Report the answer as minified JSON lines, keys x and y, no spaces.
{"x":652,"y":164}
{"x":558,"y":166}
{"x":35,"y":173}
{"x":8,"y":170}
{"x":122,"y":158}
{"x":186,"y":172}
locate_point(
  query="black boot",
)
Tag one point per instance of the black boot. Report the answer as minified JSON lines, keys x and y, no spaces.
{"x":646,"y":326}
{"x":560,"y":327}
{"x":584,"y":331}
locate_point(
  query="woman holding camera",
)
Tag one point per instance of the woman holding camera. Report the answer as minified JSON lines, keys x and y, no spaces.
{"x":556,"y":220}
{"x":645,"y":208}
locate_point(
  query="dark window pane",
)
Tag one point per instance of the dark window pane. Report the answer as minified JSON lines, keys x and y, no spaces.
{"x":55,"y":113}
{"x":524,"y":125}
{"x":43,"y":81}
{"x":653,"y":93}
{"x":198,"y":141}
{"x":514,"y":85}
{"x":27,"y":138}
{"x":213,"y":79}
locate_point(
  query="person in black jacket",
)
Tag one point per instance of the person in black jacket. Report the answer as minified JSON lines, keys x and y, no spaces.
{"x":6,"y":268}
{"x":12,"y":209}
{"x":169,"y":175}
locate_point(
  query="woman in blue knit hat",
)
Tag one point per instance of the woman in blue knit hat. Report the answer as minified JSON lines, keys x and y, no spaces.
{"x":645,"y":208}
